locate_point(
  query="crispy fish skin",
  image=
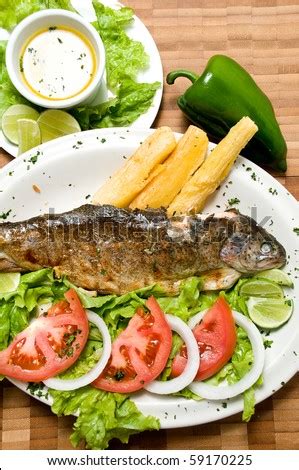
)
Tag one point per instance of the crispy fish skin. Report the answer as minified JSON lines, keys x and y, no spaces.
{"x":115,"y":250}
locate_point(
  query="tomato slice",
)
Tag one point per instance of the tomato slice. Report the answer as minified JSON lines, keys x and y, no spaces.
{"x":216,"y":338}
{"x":50,"y":344}
{"x":139,"y":353}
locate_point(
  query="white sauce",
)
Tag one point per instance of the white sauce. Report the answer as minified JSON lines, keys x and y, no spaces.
{"x":58,"y":63}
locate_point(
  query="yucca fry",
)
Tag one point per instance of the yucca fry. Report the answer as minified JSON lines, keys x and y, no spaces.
{"x":131,"y":178}
{"x":163,"y":187}
{"x":214,"y":170}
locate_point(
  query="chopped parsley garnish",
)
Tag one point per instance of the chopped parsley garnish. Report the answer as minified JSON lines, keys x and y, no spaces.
{"x":267,"y":343}
{"x":119,"y":375}
{"x":70,"y":352}
{"x":59,"y":40}
{"x":5,"y":215}
{"x":296,"y":230}
{"x":52,"y":28}
{"x":77,"y":145}
{"x":103,"y":140}
{"x":233,"y":201}
{"x":37,"y":389}
{"x":273,"y":191}
{"x":34,"y":158}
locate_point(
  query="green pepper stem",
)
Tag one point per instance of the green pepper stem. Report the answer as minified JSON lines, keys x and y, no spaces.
{"x":172,"y":76}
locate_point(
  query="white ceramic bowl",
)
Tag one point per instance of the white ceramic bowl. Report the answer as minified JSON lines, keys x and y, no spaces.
{"x":45,"y":19}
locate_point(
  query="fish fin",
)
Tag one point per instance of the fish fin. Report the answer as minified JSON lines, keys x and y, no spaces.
{"x":8,"y":265}
{"x":217,"y":279}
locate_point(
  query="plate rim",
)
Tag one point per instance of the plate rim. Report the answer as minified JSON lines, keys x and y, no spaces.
{"x":89,"y":139}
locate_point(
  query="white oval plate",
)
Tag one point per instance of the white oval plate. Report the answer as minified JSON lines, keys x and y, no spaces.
{"x":154,"y":72}
{"x":68,"y":172}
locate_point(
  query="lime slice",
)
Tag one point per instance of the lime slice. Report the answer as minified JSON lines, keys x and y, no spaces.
{"x":261,"y":288}
{"x":269,"y":313}
{"x":9,"y":282}
{"x":29,"y":134}
{"x":54,"y":123}
{"x":277,"y":276}
{"x":10,"y":120}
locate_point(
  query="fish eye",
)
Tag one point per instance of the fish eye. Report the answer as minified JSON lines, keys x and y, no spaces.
{"x":266,"y":248}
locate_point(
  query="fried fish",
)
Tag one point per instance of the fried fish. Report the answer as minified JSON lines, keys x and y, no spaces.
{"x":113,"y":250}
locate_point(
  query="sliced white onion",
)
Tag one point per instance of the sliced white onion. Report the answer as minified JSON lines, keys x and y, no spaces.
{"x":190,"y":371}
{"x":90,"y":376}
{"x":211,"y":392}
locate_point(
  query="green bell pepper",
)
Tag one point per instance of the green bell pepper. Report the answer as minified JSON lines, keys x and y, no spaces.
{"x":221,"y":96}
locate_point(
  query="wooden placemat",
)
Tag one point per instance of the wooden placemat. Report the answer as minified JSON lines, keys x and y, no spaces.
{"x":263,"y":35}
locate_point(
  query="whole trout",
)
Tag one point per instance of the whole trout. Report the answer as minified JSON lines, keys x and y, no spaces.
{"x":114,"y":250}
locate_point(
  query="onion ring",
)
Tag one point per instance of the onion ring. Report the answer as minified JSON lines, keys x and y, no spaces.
{"x":212,"y":392}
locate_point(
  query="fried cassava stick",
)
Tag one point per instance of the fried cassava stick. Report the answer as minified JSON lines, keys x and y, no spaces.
{"x":175,"y":171}
{"x":214,"y":170}
{"x":131,"y":178}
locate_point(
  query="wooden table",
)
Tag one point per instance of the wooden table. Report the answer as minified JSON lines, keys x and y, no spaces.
{"x":263,"y":35}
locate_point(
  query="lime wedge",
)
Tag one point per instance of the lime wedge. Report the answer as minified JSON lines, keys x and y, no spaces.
{"x":261,"y":288}
{"x":29,"y":134}
{"x":277,"y":276}
{"x":269,"y":313}
{"x":10,"y":120}
{"x":9,"y":282}
{"x":54,"y":123}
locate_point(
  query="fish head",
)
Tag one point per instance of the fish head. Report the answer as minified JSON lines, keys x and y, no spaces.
{"x":253,"y":251}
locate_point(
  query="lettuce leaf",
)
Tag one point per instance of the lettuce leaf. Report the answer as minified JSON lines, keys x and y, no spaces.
{"x":14,"y":11}
{"x":18,"y":307}
{"x":5,"y":310}
{"x":189,"y":301}
{"x":236,"y":301}
{"x":13,"y":319}
{"x":88,"y":358}
{"x":125,"y":58}
{"x":248,"y":404}
{"x":8,"y":93}
{"x":102,"y":416}
{"x":132,"y":100}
